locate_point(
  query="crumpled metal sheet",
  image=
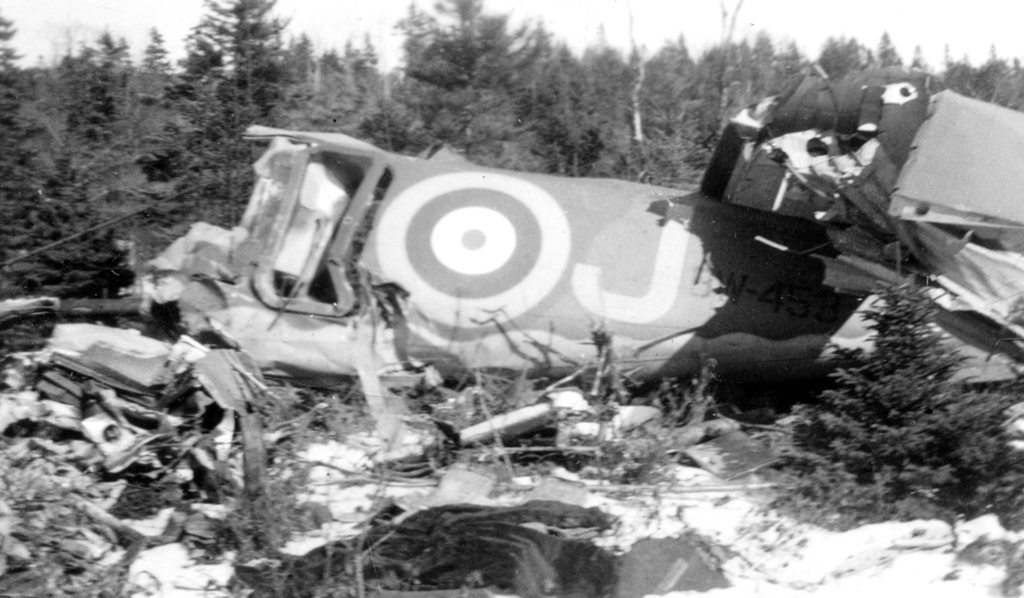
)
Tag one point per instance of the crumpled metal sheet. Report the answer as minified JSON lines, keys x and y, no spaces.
{"x":123,"y":359}
{"x":205,"y":249}
{"x":966,"y":157}
{"x":994,"y":280}
{"x":261,"y":132}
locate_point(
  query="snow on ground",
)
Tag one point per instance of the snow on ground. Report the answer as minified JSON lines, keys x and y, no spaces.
{"x":777,"y":556}
{"x":169,"y":572}
{"x":764,"y":553}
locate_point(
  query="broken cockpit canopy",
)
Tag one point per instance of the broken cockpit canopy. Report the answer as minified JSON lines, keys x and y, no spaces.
{"x":300,"y":232}
{"x":295,"y":254}
{"x":905,"y":177}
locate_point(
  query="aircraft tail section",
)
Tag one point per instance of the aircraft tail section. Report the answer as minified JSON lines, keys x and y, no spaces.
{"x":905,"y":178}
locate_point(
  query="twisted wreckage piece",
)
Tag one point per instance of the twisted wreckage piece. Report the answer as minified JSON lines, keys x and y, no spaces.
{"x":905,"y":178}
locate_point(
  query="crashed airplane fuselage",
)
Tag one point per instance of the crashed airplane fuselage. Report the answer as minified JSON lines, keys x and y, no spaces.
{"x":460,"y":266}
{"x":351,"y":257}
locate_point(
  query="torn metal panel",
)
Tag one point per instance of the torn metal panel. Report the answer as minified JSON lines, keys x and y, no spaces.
{"x":912,"y":210}
{"x":222,"y":375}
{"x":309,"y":350}
{"x":204,"y":250}
{"x":460,"y":485}
{"x":856,"y":276}
{"x":122,"y":359}
{"x":80,"y":338}
{"x":731,"y":455}
{"x":966,"y":158}
{"x":994,"y":280}
{"x":339,"y":139}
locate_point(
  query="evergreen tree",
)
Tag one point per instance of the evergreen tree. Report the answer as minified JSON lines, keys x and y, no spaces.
{"x":154,"y":57}
{"x":711,"y":81}
{"x":390,"y":124}
{"x":234,"y":75}
{"x":918,"y":61}
{"x":840,"y":56}
{"x":43,"y":205}
{"x":94,"y":88}
{"x":990,"y":78}
{"x":465,"y":67}
{"x":958,"y":75}
{"x":608,"y":106}
{"x":789,"y":65}
{"x":886,"y":53}
{"x":559,"y":111}
{"x":156,"y":153}
{"x":248,"y":39}
{"x":669,"y":103}
{"x":17,"y":177}
{"x":16,"y":161}
{"x":897,"y":438}
{"x":761,"y":78}
{"x":343,"y":92}
{"x":300,"y":62}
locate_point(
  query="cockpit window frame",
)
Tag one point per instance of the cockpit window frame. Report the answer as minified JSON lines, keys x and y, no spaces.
{"x":334,"y":253}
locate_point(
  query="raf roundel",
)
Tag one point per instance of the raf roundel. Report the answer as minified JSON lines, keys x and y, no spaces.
{"x":470,"y":245}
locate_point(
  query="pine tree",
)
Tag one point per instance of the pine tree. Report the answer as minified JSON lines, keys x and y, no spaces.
{"x":560,"y":112}
{"x":464,"y":67}
{"x":16,"y":162}
{"x":606,"y":107}
{"x":990,"y":79}
{"x":897,"y":438}
{"x":41,"y":206}
{"x":234,"y":76}
{"x":887,"y":54}
{"x":154,"y":57}
{"x":93,"y":86}
{"x":345,"y":92}
{"x":671,"y":129}
{"x":840,"y":56}
{"x":918,"y":61}
{"x":300,"y":62}
{"x":248,"y":38}
{"x":159,"y":154}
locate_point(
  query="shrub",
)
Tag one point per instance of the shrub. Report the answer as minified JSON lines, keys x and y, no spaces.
{"x":897,"y":439}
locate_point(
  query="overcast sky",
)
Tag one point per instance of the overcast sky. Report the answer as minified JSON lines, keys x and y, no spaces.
{"x":46,"y":28}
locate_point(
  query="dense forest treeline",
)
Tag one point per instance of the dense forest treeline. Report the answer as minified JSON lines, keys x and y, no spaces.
{"x":96,"y":135}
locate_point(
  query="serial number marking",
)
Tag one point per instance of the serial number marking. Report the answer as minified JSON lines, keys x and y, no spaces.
{"x":793,"y":299}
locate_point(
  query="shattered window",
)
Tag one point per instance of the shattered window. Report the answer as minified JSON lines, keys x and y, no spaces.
{"x":273,"y":174}
{"x":328,"y":184}
{"x":322,"y":288}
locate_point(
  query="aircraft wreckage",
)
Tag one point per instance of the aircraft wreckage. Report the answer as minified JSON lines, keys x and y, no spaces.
{"x":350,"y":259}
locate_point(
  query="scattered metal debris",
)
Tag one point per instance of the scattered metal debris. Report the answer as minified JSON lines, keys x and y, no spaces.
{"x":165,"y":421}
{"x":731,"y":455}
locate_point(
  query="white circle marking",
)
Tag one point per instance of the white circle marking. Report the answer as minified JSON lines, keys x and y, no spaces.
{"x":448,"y":240}
{"x":396,"y":265}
